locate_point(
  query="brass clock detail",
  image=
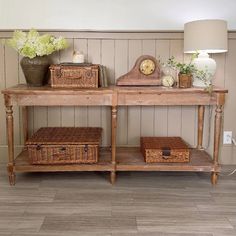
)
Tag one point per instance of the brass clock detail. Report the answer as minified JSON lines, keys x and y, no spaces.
{"x":147,"y":67}
{"x":146,"y":71}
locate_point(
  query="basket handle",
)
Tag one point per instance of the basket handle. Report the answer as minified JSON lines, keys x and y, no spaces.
{"x":71,"y":75}
{"x":60,"y":157}
{"x":59,"y":74}
{"x":74,"y":77}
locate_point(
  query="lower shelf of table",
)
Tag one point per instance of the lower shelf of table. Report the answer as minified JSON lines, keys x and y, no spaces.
{"x":127,"y":159}
{"x":104,"y":164}
{"x":130,"y":159}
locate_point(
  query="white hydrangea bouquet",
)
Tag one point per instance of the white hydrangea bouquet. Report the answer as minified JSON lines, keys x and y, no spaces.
{"x":32,"y":44}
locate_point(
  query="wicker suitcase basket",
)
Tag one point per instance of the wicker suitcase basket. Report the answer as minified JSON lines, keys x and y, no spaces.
{"x":64,"y":145}
{"x":164,"y":149}
{"x":69,"y":75}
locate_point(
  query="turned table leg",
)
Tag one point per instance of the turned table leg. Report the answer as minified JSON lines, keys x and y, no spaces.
{"x":113,"y":143}
{"x":113,"y":177}
{"x":10,"y":140}
{"x":201,"y":111}
{"x":214,"y":178}
{"x":217,"y":132}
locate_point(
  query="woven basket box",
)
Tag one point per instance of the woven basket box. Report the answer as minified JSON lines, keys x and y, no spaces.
{"x":64,"y":145}
{"x":164,"y":149}
{"x":71,"y":75}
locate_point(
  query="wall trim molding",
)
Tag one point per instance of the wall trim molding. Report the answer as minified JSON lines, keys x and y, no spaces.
{"x":126,"y":35}
{"x":113,"y":34}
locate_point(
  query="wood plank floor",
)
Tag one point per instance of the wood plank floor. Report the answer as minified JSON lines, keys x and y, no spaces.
{"x":140,"y":203}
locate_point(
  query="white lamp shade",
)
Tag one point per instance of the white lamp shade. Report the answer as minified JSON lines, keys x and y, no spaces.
{"x":205,"y":35}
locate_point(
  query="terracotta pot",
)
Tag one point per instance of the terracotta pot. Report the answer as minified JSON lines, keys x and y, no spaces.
{"x":185,"y":80}
{"x":35,"y":70}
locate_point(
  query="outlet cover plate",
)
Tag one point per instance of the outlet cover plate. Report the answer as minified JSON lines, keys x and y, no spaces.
{"x":227,"y":139}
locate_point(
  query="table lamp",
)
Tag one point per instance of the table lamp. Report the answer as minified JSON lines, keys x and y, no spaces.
{"x":203,"y":37}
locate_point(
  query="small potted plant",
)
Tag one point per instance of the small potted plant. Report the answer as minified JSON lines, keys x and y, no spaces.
{"x":35,"y":49}
{"x":186,"y":71}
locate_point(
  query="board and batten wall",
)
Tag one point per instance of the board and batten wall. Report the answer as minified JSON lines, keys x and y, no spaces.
{"x":118,"y":51}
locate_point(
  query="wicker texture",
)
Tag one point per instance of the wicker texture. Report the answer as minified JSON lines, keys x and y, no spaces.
{"x":164,"y":149}
{"x":64,"y":145}
{"x":68,"y":76}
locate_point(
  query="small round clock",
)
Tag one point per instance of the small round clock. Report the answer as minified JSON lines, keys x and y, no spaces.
{"x":147,"y":66}
{"x":167,"y":81}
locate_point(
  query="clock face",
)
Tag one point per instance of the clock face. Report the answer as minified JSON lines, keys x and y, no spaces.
{"x":168,"y":81}
{"x":147,"y":67}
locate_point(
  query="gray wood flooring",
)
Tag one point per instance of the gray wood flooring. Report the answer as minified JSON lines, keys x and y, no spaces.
{"x":143,"y":204}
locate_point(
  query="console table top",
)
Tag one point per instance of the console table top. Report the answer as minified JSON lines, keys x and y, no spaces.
{"x":24,"y":89}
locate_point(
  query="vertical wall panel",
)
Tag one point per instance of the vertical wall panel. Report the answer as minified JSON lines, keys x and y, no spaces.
{"x":218,"y":80}
{"x":188,"y":124}
{"x":230,"y":84}
{"x":94,"y":56}
{"x":21,"y":141}
{"x":11,"y":70}
{"x":208,"y":131}
{"x":108,"y":60}
{"x":121,"y":67}
{"x":54,"y":113}
{"x":189,"y":118}
{"x":228,"y":152}
{"x":134,"y":113}
{"x":68,"y":116}
{"x":55,"y":57}
{"x":174,"y":113}
{"x":2,"y":106}
{"x":40,"y":117}
{"x":81,"y":45}
{"x":147,"y":113}
{"x":81,"y":113}
{"x":121,"y":57}
{"x":161,"y":112}
{"x":3,"y":140}
{"x":67,"y":113}
{"x":21,"y":81}
{"x":163,"y":50}
{"x":54,"y":116}
{"x":21,"y":74}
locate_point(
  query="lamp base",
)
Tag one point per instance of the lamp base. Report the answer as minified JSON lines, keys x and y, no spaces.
{"x":207,"y":67}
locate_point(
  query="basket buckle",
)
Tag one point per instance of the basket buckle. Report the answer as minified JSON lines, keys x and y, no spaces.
{"x":38,"y":147}
{"x":165,"y":152}
{"x":86,"y":148}
{"x":62,"y":148}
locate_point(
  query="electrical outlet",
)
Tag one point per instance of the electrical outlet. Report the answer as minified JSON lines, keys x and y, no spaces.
{"x":227,"y":137}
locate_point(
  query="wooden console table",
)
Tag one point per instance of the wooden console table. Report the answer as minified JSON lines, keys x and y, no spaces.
{"x":119,"y":159}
